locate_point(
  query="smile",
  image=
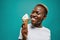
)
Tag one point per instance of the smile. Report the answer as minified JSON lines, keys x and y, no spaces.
{"x":33,"y":19}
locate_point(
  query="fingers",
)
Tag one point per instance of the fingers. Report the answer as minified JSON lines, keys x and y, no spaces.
{"x":24,"y":26}
{"x":24,"y":31}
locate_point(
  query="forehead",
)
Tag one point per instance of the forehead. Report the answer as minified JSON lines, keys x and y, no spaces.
{"x":39,"y":8}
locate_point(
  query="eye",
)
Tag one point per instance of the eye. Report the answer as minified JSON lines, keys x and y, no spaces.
{"x":33,"y":11}
{"x":37,"y":13}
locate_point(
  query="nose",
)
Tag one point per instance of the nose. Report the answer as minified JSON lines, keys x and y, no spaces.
{"x":34,"y":15}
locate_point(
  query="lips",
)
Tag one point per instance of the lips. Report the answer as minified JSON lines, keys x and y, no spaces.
{"x":33,"y":19}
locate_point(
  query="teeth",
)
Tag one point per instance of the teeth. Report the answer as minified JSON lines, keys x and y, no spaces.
{"x":32,"y":19}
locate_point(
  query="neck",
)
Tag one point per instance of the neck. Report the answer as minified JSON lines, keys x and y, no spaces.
{"x":38,"y":25}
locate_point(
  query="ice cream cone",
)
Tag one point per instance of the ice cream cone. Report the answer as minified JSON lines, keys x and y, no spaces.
{"x":25,"y":19}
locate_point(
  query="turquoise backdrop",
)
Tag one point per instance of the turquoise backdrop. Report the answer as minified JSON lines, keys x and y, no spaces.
{"x":11,"y":12}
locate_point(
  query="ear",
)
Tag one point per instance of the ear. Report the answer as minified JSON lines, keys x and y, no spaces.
{"x":44,"y":17}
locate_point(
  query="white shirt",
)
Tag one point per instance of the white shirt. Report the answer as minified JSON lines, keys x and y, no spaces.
{"x":37,"y":33}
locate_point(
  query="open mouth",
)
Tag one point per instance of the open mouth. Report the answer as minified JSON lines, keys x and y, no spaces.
{"x":33,"y":19}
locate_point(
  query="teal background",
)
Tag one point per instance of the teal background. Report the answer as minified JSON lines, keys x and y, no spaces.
{"x":11,"y":12}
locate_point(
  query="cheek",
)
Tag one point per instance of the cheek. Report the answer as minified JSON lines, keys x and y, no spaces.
{"x":40,"y":17}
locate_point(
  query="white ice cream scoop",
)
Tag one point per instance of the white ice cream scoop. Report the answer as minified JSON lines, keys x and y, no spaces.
{"x":25,"y":17}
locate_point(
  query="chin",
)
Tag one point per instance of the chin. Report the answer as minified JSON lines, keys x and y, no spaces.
{"x":33,"y":23}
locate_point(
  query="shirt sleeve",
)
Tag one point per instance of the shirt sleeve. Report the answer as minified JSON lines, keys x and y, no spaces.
{"x":49,"y":35}
{"x":20,"y":35}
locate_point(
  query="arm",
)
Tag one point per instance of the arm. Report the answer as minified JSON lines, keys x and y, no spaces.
{"x":23,"y":33}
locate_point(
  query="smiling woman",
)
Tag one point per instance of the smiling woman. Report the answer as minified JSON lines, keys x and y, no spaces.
{"x":38,"y":14}
{"x":28,"y":32}
{"x":11,"y":12}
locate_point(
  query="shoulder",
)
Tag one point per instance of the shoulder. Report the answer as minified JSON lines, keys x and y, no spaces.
{"x":46,"y":29}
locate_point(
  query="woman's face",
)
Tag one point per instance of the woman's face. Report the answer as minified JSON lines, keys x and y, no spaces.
{"x":37,"y":15}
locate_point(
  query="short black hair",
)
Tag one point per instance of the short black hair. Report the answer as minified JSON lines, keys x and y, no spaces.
{"x":45,"y":8}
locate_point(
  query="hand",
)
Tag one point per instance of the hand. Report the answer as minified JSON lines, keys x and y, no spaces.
{"x":24,"y":30}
